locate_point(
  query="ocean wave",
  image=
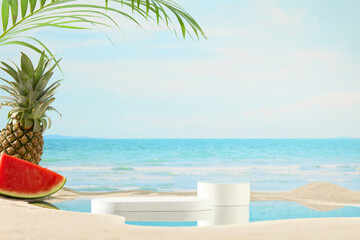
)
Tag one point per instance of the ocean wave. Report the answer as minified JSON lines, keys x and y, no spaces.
{"x":214,"y":169}
{"x":332,"y":180}
{"x":80,"y":168}
{"x":132,"y":177}
{"x":150,"y":178}
{"x":45,"y":160}
{"x":122,"y":168}
{"x":353,"y":166}
{"x":156,"y":160}
{"x":313,"y":173}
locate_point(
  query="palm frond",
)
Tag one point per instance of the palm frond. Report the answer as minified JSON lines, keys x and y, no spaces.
{"x":21,"y":16}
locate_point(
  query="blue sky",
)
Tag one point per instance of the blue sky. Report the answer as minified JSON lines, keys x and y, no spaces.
{"x":269,"y":69}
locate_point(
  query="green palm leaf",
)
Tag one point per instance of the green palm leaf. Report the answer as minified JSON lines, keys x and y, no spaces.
{"x":27,"y":15}
{"x":24,"y":5}
{"x":5,"y":14}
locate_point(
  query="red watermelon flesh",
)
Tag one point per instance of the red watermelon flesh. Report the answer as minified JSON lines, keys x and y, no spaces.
{"x":22,"y":179}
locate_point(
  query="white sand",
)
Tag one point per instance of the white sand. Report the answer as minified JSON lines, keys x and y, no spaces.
{"x":317,"y":196}
{"x":19,"y":220}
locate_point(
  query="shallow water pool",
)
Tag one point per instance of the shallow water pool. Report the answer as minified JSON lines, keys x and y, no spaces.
{"x":258,"y":211}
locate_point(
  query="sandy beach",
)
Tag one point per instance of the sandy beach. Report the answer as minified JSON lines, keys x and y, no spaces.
{"x":20,"y":220}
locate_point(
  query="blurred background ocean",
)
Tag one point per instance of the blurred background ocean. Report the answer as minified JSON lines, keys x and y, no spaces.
{"x":177,"y":164}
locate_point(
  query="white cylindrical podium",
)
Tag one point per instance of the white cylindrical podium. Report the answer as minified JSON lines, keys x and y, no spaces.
{"x":225,"y":194}
{"x":226,"y":215}
{"x":230,"y":202}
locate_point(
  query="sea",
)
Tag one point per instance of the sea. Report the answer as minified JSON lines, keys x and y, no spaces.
{"x":176,"y":165}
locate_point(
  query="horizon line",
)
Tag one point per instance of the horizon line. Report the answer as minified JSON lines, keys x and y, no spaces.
{"x":194,"y":138}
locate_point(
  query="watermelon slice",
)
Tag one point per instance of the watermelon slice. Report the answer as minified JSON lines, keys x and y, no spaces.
{"x":22,"y":179}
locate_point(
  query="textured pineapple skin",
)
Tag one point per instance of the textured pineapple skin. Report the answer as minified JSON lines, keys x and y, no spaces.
{"x":21,"y":143}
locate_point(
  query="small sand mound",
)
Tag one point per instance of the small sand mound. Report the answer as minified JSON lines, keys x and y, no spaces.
{"x":317,"y":196}
{"x":326,"y":192}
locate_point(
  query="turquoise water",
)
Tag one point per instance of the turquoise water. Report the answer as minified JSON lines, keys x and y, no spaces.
{"x":258,"y":211}
{"x":177,"y":164}
{"x":276,"y":210}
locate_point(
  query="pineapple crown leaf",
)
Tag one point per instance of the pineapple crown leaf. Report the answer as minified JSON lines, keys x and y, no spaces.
{"x":30,"y":97}
{"x":27,"y":66}
{"x":9,"y":98}
{"x":37,"y":127}
{"x":43,"y":81}
{"x":16,"y":109}
{"x":50,"y":91}
{"x":17,"y":68}
{"x":7,"y":68}
{"x":54,"y":66}
{"x":26,"y":80}
{"x":40,"y":68}
{"x":8,"y":89}
{"x":48,"y":119}
{"x":44,"y":125}
{"x":16,"y":87}
{"x":50,"y":108}
{"x":44,"y":105}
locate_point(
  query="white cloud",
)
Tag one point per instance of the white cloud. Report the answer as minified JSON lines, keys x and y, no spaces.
{"x":276,"y":16}
{"x":332,"y":100}
{"x":318,"y":54}
{"x":330,"y":115}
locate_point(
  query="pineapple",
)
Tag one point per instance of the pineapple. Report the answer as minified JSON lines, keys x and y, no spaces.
{"x":30,"y":99}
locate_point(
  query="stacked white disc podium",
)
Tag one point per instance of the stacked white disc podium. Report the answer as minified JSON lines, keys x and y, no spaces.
{"x":229,"y":202}
{"x":216,"y":204}
{"x":154,"y":209}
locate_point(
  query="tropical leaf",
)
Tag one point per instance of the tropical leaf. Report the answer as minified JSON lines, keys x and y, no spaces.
{"x":77,"y":15}
{"x":50,"y":108}
{"x":12,"y":72}
{"x":8,"y":89}
{"x":5,"y":13}
{"x":24,"y":6}
{"x":14,"y":9}
{"x":26,"y":65}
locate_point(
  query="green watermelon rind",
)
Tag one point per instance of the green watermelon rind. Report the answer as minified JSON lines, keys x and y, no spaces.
{"x":30,"y":195}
